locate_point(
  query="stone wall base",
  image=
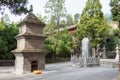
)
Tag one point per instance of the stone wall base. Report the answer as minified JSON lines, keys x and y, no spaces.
{"x":27,"y":62}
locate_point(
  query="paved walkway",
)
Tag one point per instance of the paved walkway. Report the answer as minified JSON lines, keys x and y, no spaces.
{"x":62,"y":71}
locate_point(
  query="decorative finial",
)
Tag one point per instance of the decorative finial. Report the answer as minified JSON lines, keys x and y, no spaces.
{"x":31,"y":9}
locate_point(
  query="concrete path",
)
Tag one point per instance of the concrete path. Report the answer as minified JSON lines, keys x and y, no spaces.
{"x":62,"y":71}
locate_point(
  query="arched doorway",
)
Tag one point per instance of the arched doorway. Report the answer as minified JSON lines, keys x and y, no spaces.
{"x":34,"y":66}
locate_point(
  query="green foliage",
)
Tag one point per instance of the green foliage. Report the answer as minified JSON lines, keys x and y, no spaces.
{"x":92,"y":23}
{"x":41,"y":18}
{"x":111,"y":43}
{"x":117,"y":33}
{"x":50,"y":44}
{"x":56,"y":9}
{"x":7,"y":40}
{"x":62,"y":46}
{"x":108,"y":17}
{"x":50,"y":27}
{"x":58,"y":42}
{"x":69,"y":20}
{"x":56,"y":16}
{"x":115,"y":10}
{"x":15,"y":6}
{"x":76,"y":18}
{"x":112,"y":40}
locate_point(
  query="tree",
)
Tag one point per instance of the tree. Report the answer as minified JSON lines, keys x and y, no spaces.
{"x":108,"y":17}
{"x":111,"y":42}
{"x":65,"y":44}
{"x":50,"y":28}
{"x":115,"y":10}
{"x":61,"y":47}
{"x":42,"y":18}
{"x":92,"y":23}
{"x":15,"y":6}
{"x":56,"y":9}
{"x":7,"y":40}
{"x":69,"y":20}
{"x":76,"y":18}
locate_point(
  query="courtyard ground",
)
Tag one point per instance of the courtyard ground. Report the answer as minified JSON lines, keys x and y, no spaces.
{"x":63,"y":71}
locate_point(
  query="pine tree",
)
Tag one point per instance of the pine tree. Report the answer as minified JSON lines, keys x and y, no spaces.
{"x":15,"y":6}
{"x":115,"y":10}
{"x":55,"y":10}
{"x":92,"y":23}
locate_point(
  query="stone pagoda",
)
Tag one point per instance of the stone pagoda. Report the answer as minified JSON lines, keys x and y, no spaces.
{"x":30,"y":53}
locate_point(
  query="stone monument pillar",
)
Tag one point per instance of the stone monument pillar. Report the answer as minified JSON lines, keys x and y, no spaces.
{"x":86,"y":60}
{"x":30,"y":53}
{"x":117,"y":53}
{"x":85,"y":47}
{"x":85,"y":50}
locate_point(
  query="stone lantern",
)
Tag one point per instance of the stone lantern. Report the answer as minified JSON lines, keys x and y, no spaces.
{"x":30,"y":53}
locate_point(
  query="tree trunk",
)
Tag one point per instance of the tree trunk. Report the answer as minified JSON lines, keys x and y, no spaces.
{"x":53,"y":58}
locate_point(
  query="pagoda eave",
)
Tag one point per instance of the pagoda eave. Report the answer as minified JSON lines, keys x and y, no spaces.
{"x":29,"y":35}
{"x":29,"y":51}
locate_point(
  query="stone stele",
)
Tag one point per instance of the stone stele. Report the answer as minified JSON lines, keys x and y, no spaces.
{"x":85,"y":47}
{"x":30,"y":53}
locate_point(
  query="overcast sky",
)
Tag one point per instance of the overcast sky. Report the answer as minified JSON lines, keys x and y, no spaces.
{"x":72,"y":6}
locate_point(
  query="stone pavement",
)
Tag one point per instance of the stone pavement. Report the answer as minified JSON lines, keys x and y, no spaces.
{"x":63,"y":71}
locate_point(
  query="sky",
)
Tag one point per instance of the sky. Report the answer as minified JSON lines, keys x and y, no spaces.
{"x":72,"y":7}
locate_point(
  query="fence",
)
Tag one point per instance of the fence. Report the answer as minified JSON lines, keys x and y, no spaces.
{"x":7,"y":62}
{"x":48,"y":60}
{"x":80,"y":62}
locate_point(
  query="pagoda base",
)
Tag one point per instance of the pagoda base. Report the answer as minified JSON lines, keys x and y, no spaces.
{"x":28,"y":62}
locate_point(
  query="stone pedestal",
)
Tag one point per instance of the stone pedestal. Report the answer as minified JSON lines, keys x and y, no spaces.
{"x":85,"y":47}
{"x":30,"y":53}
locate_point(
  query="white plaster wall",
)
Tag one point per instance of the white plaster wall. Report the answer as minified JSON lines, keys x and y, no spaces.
{"x":19,"y":63}
{"x":21,"y":44}
{"x":22,"y":29}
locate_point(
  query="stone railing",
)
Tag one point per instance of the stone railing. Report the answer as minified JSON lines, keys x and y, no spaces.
{"x":84,"y":62}
{"x":7,"y":62}
{"x":92,"y":61}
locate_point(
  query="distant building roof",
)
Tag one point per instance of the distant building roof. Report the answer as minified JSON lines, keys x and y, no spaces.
{"x":63,"y":28}
{"x":68,"y":27}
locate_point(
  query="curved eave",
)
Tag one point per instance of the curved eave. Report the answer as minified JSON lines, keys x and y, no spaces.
{"x":29,"y":35}
{"x":29,"y":51}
